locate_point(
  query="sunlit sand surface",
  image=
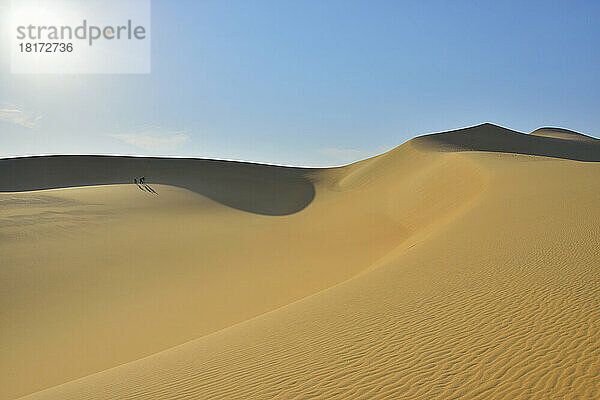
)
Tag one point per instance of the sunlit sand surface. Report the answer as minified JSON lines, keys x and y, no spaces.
{"x":459,"y":265}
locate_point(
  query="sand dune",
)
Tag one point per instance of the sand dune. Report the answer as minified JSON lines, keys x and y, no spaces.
{"x":547,"y":142}
{"x":261,"y":189}
{"x":560,"y":133}
{"x":459,"y":265}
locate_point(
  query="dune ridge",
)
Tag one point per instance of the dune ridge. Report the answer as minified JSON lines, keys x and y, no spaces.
{"x":491,"y":138}
{"x":458,"y":265}
{"x":257,"y":188}
{"x":560,"y":133}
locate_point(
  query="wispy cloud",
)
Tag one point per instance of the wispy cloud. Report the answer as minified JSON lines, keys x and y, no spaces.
{"x":343,"y":155}
{"x":14,"y":115}
{"x":154,"y":141}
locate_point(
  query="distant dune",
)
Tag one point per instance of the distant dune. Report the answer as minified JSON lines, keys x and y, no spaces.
{"x":462,"y":264}
{"x":559,"y":133}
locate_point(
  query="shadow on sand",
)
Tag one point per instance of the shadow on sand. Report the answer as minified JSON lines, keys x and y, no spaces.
{"x":145,"y":188}
{"x":149,"y":189}
{"x":256,"y":188}
{"x":493,"y":138}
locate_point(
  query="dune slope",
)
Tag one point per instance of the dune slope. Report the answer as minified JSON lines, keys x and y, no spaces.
{"x":445,"y":268}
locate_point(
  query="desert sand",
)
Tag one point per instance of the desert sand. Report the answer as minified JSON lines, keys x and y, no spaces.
{"x":463,"y":264}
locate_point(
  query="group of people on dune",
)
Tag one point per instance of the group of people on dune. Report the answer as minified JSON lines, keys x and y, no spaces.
{"x":141,"y":183}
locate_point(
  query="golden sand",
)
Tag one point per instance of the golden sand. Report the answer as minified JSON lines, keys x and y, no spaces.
{"x":458,"y":265}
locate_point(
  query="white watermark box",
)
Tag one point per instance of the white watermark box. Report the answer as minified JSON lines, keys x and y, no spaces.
{"x":80,"y":36}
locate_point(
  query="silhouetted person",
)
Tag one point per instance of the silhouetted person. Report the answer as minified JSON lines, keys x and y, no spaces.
{"x":135,"y":180}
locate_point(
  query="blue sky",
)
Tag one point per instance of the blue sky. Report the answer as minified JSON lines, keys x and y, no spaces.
{"x":317,"y":82}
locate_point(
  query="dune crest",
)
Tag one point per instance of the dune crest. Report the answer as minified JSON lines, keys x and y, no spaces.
{"x":560,"y":133}
{"x":460,"y":264}
{"x":492,"y":138}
